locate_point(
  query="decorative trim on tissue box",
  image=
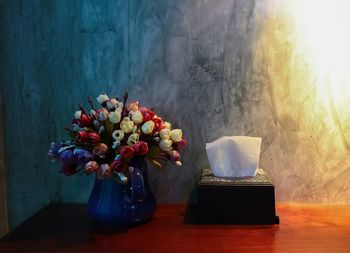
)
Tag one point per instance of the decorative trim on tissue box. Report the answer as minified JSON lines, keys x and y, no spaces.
{"x":217,"y":200}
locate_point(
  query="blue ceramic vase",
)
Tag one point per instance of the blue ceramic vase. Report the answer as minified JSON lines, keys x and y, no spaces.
{"x":116,"y":205}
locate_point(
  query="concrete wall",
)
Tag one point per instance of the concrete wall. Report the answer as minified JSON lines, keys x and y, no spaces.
{"x":212,"y":68}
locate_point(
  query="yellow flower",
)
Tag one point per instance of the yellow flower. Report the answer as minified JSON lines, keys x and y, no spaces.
{"x":137,"y":117}
{"x":126,"y":125}
{"x":165,"y":144}
{"x":148,"y":127}
{"x":164,"y":133}
{"x":176,"y":135}
{"x":114,"y":117}
{"x":133,"y":138}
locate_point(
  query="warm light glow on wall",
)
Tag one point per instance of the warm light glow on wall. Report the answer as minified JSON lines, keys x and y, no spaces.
{"x":306,"y":46}
{"x":322,"y":28}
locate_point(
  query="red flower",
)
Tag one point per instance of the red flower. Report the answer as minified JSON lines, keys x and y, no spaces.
{"x":94,"y":138}
{"x":147,"y":114}
{"x":127,"y":152}
{"x":119,"y":166}
{"x":158,"y":123}
{"x":85,"y":120}
{"x":174,"y":155}
{"x":82,"y":136}
{"x":141,"y":148}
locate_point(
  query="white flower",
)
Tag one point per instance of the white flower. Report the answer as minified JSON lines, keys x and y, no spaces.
{"x":118,"y":135}
{"x":114,"y":117}
{"x":102,"y":98}
{"x":133,"y":138}
{"x":77,"y":114}
{"x":164,"y":133}
{"x":165,"y":144}
{"x":148,"y":127}
{"x":126,"y":125}
{"x":176,"y":135}
{"x":136,"y":116}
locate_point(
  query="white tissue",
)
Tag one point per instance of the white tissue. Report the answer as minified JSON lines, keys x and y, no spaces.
{"x":234,"y":156}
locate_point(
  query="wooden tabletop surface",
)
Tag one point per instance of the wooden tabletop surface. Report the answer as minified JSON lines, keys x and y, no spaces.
{"x":67,"y":228}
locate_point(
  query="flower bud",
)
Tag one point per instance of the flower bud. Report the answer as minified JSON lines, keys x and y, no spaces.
{"x":102,"y":98}
{"x":91,"y":167}
{"x":118,"y":135}
{"x":133,"y":138}
{"x":164,"y":133}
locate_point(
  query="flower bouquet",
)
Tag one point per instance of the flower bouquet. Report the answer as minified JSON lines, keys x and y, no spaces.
{"x":105,"y":139}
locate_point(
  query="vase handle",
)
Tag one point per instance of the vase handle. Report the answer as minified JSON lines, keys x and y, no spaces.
{"x":137,"y":189}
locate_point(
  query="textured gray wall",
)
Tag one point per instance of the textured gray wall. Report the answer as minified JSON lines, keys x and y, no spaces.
{"x":210,"y":67}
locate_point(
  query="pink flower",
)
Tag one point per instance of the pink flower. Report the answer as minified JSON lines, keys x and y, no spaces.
{"x":93,"y":137}
{"x":133,"y":106}
{"x":180,"y":145}
{"x":91,"y":167}
{"x":119,"y":166}
{"x":141,"y":148}
{"x":174,"y":155}
{"x":127,"y":152}
{"x":100,"y":150}
{"x":147,"y":114}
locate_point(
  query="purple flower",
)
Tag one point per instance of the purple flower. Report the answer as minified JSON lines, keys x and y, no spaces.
{"x":53,"y":152}
{"x":82,"y":156}
{"x":67,"y":157}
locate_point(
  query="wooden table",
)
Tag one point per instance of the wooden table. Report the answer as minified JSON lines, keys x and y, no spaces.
{"x":67,"y":228}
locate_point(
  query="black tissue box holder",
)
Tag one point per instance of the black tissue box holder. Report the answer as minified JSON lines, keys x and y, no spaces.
{"x":217,"y":200}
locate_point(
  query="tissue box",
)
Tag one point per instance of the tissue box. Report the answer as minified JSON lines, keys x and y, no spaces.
{"x":217,"y":200}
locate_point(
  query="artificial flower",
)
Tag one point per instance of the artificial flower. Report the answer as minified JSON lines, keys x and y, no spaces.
{"x":114,"y":105}
{"x":164,"y":133}
{"x":165,"y":144}
{"x":91,"y":167}
{"x":126,"y":125}
{"x":133,"y":106}
{"x":82,"y":136}
{"x":102,"y":98}
{"x":114,"y":117}
{"x":82,"y":156}
{"x":118,"y":135}
{"x":178,"y":163}
{"x":104,"y":171}
{"x":147,"y":114}
{"x":133,"y":138}
{"x":174,"y":155}
{"x":127,"y":152}
{"x":147,"y":127}
{"x":141,"y":148}
{"x":118,"y":165}
{"x":54,"y":151}
{"x":100,"y":150}
{"x":93,"y":138}
{"x":180,"y":145}
{"x":176,"y":135}
{"x":67,"y":157}
{"x":137,"y":117}
{"x":167,"y":125}
{"x":102,"y":114}
{"x":77,"y":114}
{"x":158,"y":122}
